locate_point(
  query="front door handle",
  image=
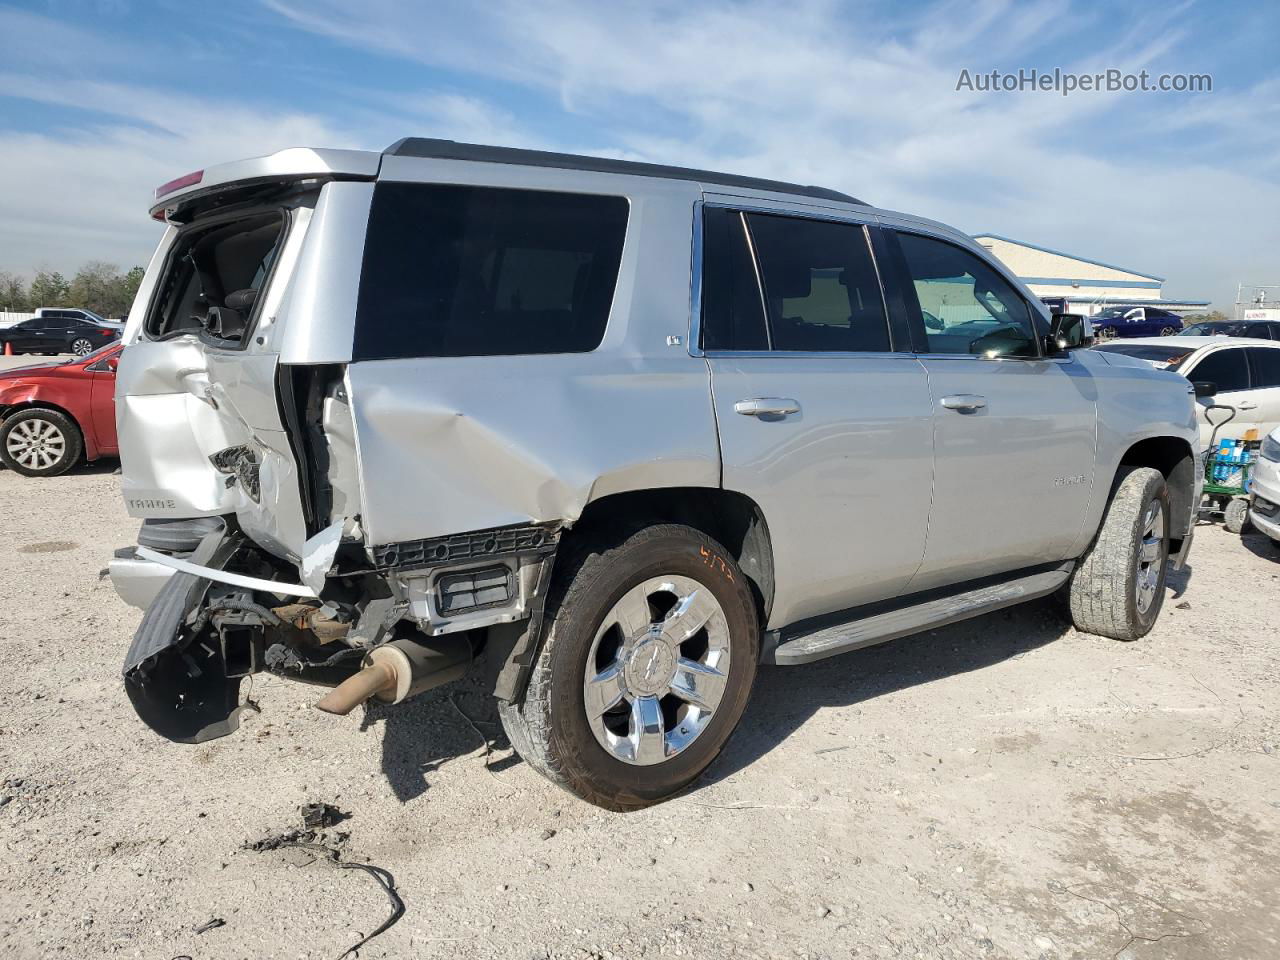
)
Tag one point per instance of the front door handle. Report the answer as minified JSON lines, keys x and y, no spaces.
{"x":1246,"y":405}
{"x":964,"y":402}
{"x":767,"y":407}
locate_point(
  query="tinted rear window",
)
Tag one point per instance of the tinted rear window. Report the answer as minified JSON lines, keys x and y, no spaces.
{"x":454,"y":271}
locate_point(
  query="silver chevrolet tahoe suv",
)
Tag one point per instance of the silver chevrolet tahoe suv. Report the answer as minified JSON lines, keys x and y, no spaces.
{"x":615,"y":433}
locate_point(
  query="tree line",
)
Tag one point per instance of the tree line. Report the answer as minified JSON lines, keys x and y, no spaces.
{"x":96,"y":286}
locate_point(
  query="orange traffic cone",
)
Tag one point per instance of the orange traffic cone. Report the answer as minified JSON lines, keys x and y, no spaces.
{"x":8,"y":349}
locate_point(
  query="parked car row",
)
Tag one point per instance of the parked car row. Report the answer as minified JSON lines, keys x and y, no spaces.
{"x":75,"y":331}
{"x":1149,"y":321}
{"x":1255,"y":329}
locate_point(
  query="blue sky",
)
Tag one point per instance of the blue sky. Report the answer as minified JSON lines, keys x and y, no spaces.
{"x":100,"y":101}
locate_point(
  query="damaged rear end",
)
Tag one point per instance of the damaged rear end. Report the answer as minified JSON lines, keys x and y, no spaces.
{"x":298,"y":488}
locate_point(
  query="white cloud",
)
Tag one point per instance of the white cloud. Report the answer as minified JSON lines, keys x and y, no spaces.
{"x":842,"y":94}
{"x":865,"y":101}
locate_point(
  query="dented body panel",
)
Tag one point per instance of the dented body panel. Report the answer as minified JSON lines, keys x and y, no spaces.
{"x":539,"y":440}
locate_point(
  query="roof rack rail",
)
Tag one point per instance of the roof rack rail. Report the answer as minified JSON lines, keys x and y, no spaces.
{"x":453,"y":150}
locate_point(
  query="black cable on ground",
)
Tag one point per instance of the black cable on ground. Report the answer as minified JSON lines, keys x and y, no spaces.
{"x":383,"y":877}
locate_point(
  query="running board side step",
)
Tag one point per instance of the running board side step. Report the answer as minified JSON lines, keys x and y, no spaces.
{"x":928,"y":615}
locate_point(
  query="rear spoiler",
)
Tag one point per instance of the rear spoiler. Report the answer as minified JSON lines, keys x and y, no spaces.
{"x":296,"y":163}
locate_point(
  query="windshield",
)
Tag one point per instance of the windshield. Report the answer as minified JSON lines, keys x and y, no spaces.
{"x":1210,"y":329}
{"x":1155,"y":352}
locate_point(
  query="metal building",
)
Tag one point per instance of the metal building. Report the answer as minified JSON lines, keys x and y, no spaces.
{"x":1078,"y":285}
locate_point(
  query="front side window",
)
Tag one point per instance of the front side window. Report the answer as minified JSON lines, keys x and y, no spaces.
{"x":453,"y":271}
{"x":820,"y":285}
{"x":1265,"y":362}
{"x":1226,"y":368}
{"x":965,"y":306}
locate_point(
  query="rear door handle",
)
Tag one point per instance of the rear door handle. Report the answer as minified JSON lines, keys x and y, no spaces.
{"x":767,"y":407}
{"x":1246,"y":405}
{"x":964,"y":402}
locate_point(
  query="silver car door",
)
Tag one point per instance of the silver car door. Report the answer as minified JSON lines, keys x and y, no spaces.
{"x":822,"y":423}
{"x":1014,"y":432}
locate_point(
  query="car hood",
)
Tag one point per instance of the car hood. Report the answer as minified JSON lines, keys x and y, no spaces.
{"x":1124,"y":360}
{"x":18,"y":373}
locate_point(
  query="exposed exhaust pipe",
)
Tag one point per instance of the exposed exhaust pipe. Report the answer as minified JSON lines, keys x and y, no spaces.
{"x":401,"y":669}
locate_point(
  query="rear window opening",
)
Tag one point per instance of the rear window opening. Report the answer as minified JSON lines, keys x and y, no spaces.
{"x":215,"y":276}
{"x":452,"y":271}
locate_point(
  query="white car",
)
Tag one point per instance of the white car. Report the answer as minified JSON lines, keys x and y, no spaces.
{"x":1244,"y":372}
{"x":1264,"y":506}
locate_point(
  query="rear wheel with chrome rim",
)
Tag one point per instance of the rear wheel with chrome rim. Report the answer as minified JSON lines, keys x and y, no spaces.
{"x":81,"y":346}
{"x":650,"y":653}
{"x":1117,"y":588}
{"x":40,"y":443}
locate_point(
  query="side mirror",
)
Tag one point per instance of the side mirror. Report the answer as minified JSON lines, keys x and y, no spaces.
{"x":1068,"y":331}
{"x":1205,"y":388}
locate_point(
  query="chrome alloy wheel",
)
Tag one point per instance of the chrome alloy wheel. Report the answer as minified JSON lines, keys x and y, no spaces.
{"x":1150,"y":555}
{"x":36,"y":444}
{"x":81,"y":347}
{"x":656,"y":670}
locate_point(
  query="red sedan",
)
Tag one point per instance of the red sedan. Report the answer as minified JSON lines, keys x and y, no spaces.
{"x":53,"y":415}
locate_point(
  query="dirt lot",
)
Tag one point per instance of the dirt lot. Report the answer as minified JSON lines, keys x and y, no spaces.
{"x":1003,"y":788}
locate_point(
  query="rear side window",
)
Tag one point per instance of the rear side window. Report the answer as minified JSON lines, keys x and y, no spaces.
{"x":732,"y":311}
{"x":454,"y":271}
{"x":1226,"y":368}
{"x":1266,"y":366}
{"x":820,"y":285}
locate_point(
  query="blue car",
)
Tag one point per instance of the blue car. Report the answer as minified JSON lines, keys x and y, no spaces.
{"x":1135,"y":322}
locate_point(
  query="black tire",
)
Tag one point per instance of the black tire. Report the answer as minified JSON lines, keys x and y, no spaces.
{"x":1167,"y":331}
{"x":1236,"y":515}
{"x":40,"y":420}
{"x":549,"y":727}
{"x":1104,"y":588}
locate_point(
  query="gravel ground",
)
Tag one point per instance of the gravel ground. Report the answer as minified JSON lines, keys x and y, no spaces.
{"x":1003,"y":788}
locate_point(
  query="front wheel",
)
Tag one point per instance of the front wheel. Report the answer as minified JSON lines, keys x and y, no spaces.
{"x":649,"y":656}
{"x":1167,"y":331}
{"x":1117,"y":588}
{"x":40,"y":443}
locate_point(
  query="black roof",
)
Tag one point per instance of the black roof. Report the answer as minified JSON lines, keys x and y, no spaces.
{"x":452,"y":150}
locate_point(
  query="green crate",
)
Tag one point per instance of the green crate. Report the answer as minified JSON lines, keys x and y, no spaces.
{"x":1243,"y":467}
